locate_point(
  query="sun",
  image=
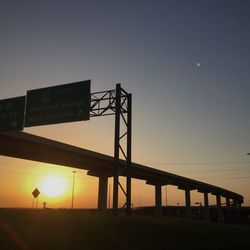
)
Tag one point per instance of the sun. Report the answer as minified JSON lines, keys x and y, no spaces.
{"x":52,"y":186}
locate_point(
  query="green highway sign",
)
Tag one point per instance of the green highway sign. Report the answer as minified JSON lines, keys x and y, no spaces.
{"x":58,"y":104}
{"x":12,"y":114}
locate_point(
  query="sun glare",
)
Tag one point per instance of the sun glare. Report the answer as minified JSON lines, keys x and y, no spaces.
{"x":52,"y":186}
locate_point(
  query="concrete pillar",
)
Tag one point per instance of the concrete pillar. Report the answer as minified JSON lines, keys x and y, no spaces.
{"x":158,"y":200}
{"x":219,"y":210}
{"x":206,"y":206}
{"x":228,"y":202}
{"x":188,"y":203}
{"x":166,"y":195}
{"x":102,"y":193}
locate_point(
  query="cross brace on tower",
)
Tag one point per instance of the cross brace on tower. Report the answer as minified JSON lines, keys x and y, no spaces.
{"x":119,"y":103}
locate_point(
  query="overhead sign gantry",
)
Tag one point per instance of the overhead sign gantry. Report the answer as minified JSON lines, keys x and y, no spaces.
{"x":112,"y":102}
{"x":75,"y":102}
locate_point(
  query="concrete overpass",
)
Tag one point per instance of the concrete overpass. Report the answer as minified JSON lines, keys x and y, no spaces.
{"x":30,"y":147}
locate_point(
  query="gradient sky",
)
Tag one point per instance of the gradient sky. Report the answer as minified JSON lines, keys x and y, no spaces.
{"x":187,"y":64}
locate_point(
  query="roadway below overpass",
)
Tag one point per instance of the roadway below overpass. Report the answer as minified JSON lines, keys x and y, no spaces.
{"x":31,"y":147}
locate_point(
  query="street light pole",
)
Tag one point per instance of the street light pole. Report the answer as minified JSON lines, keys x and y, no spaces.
{"x":73,"y":189}
{"x":109,"y":196}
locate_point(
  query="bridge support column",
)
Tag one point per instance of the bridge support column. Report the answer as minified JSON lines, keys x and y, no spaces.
{"x":219,"y":210}
{"x":102,"y":193}
{"x":206,"y":206}
{"x":228,"y":202}
{"x":158,"y":200}
{"x":188,"y":203}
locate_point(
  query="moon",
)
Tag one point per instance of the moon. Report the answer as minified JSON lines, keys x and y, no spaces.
{"x":198,"y":64}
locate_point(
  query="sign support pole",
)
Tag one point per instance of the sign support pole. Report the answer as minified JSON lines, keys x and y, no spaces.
{"x":129,"y":153}
{"x":116,"y":148}
{"x":119,"y":103}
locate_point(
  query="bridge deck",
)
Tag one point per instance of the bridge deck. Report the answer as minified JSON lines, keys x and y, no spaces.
{"x":31,"y":147}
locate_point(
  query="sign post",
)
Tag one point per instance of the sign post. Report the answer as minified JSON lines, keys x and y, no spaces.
{"x":35,"y":194}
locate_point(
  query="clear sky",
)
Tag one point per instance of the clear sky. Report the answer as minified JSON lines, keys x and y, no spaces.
{"x":187,"y":64}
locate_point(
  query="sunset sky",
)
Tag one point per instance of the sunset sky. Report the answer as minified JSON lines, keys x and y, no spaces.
{"x":187,"y":64}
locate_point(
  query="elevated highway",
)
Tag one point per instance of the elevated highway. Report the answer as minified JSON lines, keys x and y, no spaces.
{"x":31,"y":147}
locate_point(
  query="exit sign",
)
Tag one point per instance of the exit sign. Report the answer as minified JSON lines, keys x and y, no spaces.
{"x":58,"y":104}
{"x":12,"y":114}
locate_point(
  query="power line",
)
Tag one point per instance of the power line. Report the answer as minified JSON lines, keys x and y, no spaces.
{"x":215,"y":170}
{"x":236,"y":168}
{"x":244,"y":168}
{"x":152,"y":163}
{"x":37,"y":174}
{"x":198,"y":163}
{"x":224,"y":178}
